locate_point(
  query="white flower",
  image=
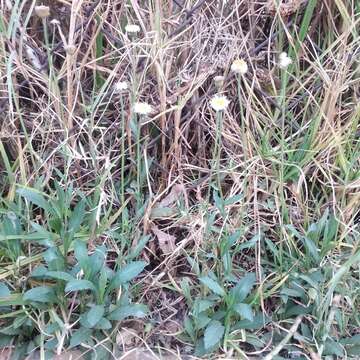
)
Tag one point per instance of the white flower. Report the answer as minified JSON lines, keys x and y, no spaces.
{"x":239,"y":66}
{"x":55,"y":22}
{"x":142,"y":108}
{"x":219,"y":103}
{"x":219,"y":81}
{"x":284,"y":60}
{"x":42,"y":11}
{"x":121,"y":86}
{"x":130,"y":28}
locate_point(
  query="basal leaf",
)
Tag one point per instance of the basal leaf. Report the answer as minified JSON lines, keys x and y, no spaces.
{"x":35,"y":197}
{"x":78,"y":285}
{"x":243,"y":287}
{"x":123,"y":312}
{"x":42,"y":294}
{"x":79,"y":337}
{"x":94,"y":315}
{"x":213,"y":333}
{"x":127,"y":273}
{"x":245,"y":311}
{"x":212,"y":285}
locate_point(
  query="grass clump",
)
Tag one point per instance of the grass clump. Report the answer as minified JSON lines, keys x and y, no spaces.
{"x":179,"y":179}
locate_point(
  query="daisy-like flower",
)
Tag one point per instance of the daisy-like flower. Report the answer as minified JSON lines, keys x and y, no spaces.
{"x":284,"y":60}
{"x":219,"y":103}
{"x":239,"y":66}
{"x":121,"y":86}
{"x":131,"y":28}
{"x":142,"y":108}
{"x":42,"y":11}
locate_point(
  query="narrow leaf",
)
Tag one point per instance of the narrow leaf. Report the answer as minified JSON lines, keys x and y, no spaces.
{"x":77,"y":216}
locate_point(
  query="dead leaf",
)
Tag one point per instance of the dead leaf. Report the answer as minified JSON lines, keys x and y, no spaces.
{"x":66,"y":355}
{"x":5,"y":353}
{"x":162,"y":212}
{"x":126,"y":337}
{"x":69,"y":355}
{"x":138,"y":354}
{"x":173,"y":196}
{"x":166,"y":241}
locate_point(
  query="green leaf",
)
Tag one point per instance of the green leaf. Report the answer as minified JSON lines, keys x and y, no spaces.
{"x":77,"y":216}
{"x":243,"y":287}
{"x":14,"y":299}
{"x":78,"y":285}
{"x":354,"y":340}
{"x":4,"y":290}
{"x":102,"y":282}
{"x":353,"y":351}
{"x":59,"y":275}
{"x":97,"y":259}
{"x":333,"y":348}
{"x":202,"y":305}
{"x":54,"y":259}
{"x":258,"y":322}
{"x":234,"y":199}
{"x":213,"y":334}
{"x":234,"y":237}
{"x":103,"y":324}
{"x":42,"y":272}
{"x":94,"y":315}
{"x":135,"y":252}
{"x":45,"y":238}
{"x":202,"y":320}
{"x":212,"y":285}
{"x":81,"y":253}
{"x":129,"y":272}
{"x":189,"y":328}
{"x":312,"y":249}
{"x":79,"y":337}
{"x":35,"y":197}
{"x":41,"y":294}
{"x":123,"y":312}
{"x":249,"y":244}
{"x":244,"y":310}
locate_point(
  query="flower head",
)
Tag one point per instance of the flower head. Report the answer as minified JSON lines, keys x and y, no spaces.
{"x":284,"y":60}
{"x":121,"y":86}
{"x":239,"y":66}
{"x":219,"y":81}
{"x":131,"y":28}
{"x":42,"y":11}
{"x":142,"y":108}
{"x":55,"y":22}
{"x":219,"y":103}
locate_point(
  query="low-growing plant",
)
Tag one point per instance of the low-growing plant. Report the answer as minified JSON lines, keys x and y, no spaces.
{"x":218,"y":311}
{"x":72,"y":296}
{"x":69,"y":303}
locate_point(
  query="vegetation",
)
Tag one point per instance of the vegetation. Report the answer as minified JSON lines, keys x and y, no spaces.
{"x":181,"y":177}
